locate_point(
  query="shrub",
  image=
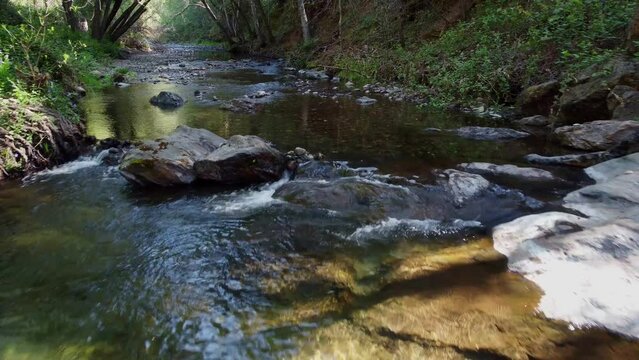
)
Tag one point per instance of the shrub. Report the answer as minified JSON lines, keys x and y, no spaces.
{"x":501,"y":48}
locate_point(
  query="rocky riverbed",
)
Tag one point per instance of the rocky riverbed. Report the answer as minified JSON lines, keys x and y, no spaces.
{"x":203,"y":232}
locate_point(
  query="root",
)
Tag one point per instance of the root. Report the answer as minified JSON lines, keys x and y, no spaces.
{"x":38,"y":142}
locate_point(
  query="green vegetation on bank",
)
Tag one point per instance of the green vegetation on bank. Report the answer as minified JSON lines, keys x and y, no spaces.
{"x":42,"y":65}
{"x":488,"y":56}
{"x":41,"y":62}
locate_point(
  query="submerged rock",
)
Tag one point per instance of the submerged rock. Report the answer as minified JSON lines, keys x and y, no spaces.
{"x":586,"y":265}
{"x":167,"y":100}
{"x":323,"y":170}
{"x":597,"y":135}
{"x":536,"y":120}
{"x":365,"y":195}
{"x":313,"y":74}
{"x":577,"y":160}
{"x":360,"y":197}
{"x":188,"y":154}
{"x":241,"y":160}
{"x":365,"y":100}
{"x":488,"y":133}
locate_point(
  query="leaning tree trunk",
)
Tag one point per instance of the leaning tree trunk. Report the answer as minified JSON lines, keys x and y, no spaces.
{"x":226,"y":32}
{"x":306,"y":32}
{"x":106,"y":23}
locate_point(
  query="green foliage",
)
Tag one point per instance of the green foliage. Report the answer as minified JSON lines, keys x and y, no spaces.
{"x":6,"y":73}
{"x":9,"y":14}
{"x":47,"y":60}
{"x":180,"y":22}
{"x":501,"y":48}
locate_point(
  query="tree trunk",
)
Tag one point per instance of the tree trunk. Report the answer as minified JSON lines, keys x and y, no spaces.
{"x":72,"y":18}
{"x":105,"y":24}
{"x":225,"y":31}
{"x":633,"y":33}
{"x":265,"y":26}
{"x":306,"y":32}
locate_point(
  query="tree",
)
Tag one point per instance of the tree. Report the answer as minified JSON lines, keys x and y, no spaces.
{"x":633,"y":32}
{"x":306,"y":32}
{"x":107,"y":22}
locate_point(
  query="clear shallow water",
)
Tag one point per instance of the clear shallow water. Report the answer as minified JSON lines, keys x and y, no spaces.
{"x":91,"y":267}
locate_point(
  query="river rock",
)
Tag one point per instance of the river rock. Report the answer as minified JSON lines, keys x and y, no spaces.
{"x":628,"y":109}
{"x":587,"y":101}
{"x":241,"y":160}
{"x":615,"y":97}
{"x":613,"y":168}
{"x":323,"y":170}
{"x":535,"y":120}
{"x":614,"y":197}
{"x":462,"y":185}
{"x":510,"y":171}
{"x":585,"y":265}
{"x":538,"y":99}
{"x":372,"y":197}
{"x":597,"y":135}
{"x":313,"y":74}
{"x":365,"y":100}
{"x":167,"y":100}
{"x":577,"y":160}
{"x":359,"y":197}
{"x":169,"y":161}
{"x":489,"y":133}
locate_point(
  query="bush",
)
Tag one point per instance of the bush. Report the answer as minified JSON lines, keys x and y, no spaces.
{"x":39,"y":63}
{"x":503,"y":47}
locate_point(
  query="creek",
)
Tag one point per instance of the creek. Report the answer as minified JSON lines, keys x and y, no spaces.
{"x":93,"y":267}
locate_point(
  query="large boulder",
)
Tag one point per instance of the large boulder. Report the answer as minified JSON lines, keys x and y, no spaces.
{"x":538,"y":99}
{"x":585,"y":265}
{"x":457,"y":195}
{"x":360,"y":197}
{"x":597,"y":135}
{"x":188,"y":154}
{"x":613,"y":168}
{"x":241,"y":160}
{"x":169,"y":161}
{"x":167,"y":100}
{"x":587,"y":101}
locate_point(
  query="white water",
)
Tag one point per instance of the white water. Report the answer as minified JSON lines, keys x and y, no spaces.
{"x":428,"y":227}
{"x":243,"y":201}
{"x":71,"y":167}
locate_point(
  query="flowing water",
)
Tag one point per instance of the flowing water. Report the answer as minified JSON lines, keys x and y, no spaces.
{"x":91,"y":267}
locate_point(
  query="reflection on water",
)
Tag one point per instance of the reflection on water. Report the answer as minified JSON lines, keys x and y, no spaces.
{"x":389,"y":135}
